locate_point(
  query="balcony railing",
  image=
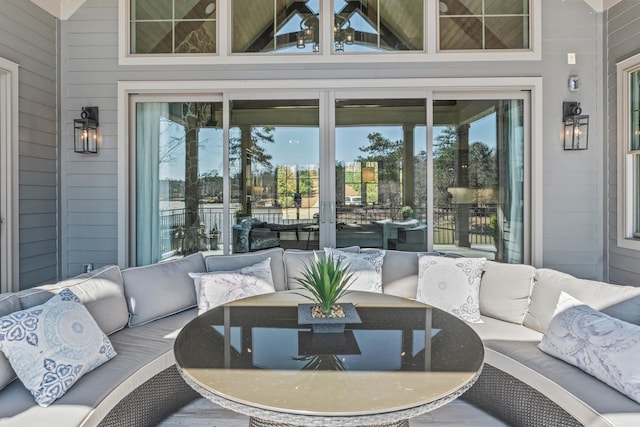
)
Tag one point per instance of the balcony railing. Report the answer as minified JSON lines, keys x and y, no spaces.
{"x":177,"y":238}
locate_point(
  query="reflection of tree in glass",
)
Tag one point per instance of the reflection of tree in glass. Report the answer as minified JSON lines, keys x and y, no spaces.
{"x":286,"y":176}
{"x":322,"y":362}
{"x":260,"y":137}
{"x":387,"y":155}
{"x":257,"y":160}
{"x":385,"y":152}
{"x":482,"y":165}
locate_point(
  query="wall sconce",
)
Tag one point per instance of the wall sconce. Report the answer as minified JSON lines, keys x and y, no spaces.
{"x":576,"y":127}
{"x":85,"y":131}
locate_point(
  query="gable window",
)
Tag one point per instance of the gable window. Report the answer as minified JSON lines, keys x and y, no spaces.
{"x":271,"y":26}
{"x":172,"y":27}
{"x":629,"y":152}
{"x":484,"y":24}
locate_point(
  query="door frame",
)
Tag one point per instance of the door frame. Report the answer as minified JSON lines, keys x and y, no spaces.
{"x":288,"y":89}
{"x":9,"y":267}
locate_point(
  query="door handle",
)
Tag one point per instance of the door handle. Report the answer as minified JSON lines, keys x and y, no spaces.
{"x":322,"y":208}
{"x":333,"y":212}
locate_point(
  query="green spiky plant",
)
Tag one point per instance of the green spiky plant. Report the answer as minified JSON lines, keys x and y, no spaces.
{"x":327,"y":281}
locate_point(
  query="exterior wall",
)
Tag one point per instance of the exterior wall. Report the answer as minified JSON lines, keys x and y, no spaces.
{"x":572,"y":187}
{"x":28,"y":38}
{"x":622,"y":41}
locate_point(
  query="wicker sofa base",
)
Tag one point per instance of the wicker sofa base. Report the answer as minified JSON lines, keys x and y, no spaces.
{"x":153,"y":401}
{"x":514,"y":402}
{"x":495,"y":392}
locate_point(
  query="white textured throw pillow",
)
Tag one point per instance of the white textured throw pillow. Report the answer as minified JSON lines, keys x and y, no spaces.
{"x":50,"y":346}
{"x":597,"y":343}
{"x":366,"y":268}
{"x":261,"y":270}
{"x":217,"y":288}
{"x":451,"y":284}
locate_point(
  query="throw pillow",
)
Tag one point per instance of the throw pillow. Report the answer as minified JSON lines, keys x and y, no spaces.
{"x":451,"y":284}
{"x":261,"y":270}
{"x":366,"y":268}
{"x":220,"y":288}
{"x":51,"y":346}
{"x":597,"y":343}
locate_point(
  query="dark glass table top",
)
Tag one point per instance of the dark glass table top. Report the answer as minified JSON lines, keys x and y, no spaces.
{"x":254,"y":352}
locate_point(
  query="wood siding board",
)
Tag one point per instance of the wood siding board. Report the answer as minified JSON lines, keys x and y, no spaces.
{"x":96,"y":231}
{"x":38,"y":234}
{"x":39,"y":276}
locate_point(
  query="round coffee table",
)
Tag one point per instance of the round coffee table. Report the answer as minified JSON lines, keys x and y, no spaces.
{"x":403,"y":360}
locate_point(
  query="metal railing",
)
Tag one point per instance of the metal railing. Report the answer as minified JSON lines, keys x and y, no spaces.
{"x":176,"y":237}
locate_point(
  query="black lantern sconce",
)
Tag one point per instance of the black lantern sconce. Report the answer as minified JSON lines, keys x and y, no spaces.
{"x":575,"y":134}
{"x":85,"y":131}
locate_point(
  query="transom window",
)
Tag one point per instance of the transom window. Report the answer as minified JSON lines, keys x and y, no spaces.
{"x":273,"y":30}
{"x":484,"y":24}
{"x":172,"y":26}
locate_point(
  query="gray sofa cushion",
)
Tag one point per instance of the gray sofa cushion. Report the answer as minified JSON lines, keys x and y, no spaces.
{"x":155,"y":291}
{"x":505,"y":290}
{"x":142,"y":352}
{"x":599,"y":295}
{"x":101,"y":291}
{"x":8,"y":304}
{"x":400,"y":274}
{"x":234,"y":262}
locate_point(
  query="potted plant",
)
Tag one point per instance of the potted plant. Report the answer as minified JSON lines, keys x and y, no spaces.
{"x":326,"y":280}
{"x":406,"y":212}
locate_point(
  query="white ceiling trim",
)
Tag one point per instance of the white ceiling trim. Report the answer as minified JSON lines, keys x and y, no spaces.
{"x":601,"y":5}
{"x":61,"y":9}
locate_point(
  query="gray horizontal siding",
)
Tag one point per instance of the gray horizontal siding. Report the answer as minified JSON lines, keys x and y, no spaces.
{"x":622,"y":41}
{"x":28,"y":37}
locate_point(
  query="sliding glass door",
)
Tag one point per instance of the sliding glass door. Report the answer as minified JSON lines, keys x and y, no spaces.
{"x":274,"y":149}
{"x":177,"y":188}
{"x":380,"y":173}
{"x":479,"y":177}
{"x":390,"y":170}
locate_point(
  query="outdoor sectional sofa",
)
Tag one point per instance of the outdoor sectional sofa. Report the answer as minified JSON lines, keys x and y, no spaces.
{"x":141,"y":309}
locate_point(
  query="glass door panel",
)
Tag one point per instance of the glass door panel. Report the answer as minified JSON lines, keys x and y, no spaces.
{"x":478,"y":162}
{"x":178,"y":179}
{"x":274,"y":149}
{"x":381,"y":173}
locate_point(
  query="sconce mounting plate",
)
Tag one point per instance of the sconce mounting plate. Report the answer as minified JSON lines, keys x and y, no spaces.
{"x":91,"y":114}
{"x":570,"y":109}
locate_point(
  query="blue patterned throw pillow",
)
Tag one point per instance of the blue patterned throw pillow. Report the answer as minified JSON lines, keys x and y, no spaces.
{"x":52,"y":345}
